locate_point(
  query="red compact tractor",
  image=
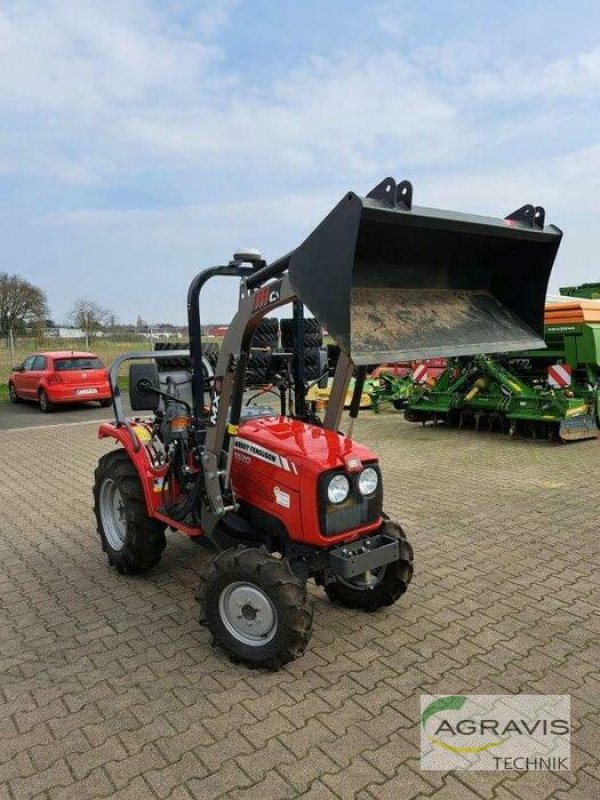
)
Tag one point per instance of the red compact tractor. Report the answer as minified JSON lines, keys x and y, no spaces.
{"x":285,"y":497}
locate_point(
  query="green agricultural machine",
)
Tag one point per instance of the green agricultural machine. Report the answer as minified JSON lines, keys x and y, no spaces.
{"x":589,"y":290}
{"x":552,"y":393}
{"x":389,"y":388}
{"x":396,"y":383}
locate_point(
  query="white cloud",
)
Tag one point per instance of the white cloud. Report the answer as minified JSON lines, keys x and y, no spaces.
{"x":96,"y":95}
{"x":391,"y":21}
{"x":86,"y":57}
{"x":329,"y":113}
{"x":568,"y":183}
{"x":577,"y":76}
{"x":106,"y":82}
{"x":108,"y":88}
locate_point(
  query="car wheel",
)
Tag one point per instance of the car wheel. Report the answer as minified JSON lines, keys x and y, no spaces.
{"x":45,"y":405}
{"x":12,"y":394}
{"x":105,"y":403}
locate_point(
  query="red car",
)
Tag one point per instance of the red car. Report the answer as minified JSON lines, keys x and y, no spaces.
{"x":64,"y":376}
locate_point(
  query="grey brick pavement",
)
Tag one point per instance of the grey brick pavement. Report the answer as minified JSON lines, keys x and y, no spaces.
{"x":109,"y":687}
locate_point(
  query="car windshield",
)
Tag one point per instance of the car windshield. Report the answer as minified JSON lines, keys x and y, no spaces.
{"x":69,"y":364}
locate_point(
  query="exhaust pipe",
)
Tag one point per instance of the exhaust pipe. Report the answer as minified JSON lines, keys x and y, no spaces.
{"x":391,"y":282}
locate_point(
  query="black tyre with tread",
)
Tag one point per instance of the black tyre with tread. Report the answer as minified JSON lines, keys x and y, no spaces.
{"x":46,"y":407}
{"x":12,"y":393}
{"x":312,"y":363}
{"x":259,"y":370}
{"x":145,"y":537}
{"x":313,"y":335}
{"x":392,"y":584}
{"x":266,"y":333}
{"x":286,"y":592}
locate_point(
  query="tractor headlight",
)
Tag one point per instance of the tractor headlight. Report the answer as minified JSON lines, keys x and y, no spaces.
{"x":338,"y":489}
{"x":368,"y":480}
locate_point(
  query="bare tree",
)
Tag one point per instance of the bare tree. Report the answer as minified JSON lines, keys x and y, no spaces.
{"x":90,"y":317}
{"x":21,"y":303}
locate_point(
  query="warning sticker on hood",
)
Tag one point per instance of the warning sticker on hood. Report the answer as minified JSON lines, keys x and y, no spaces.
{"x":282,"y":498}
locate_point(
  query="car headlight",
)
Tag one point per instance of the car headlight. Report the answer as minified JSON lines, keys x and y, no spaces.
{"x":338,"y":489}
{"x":368,"y":481}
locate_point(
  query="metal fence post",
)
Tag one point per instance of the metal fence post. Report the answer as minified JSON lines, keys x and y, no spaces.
{"x":11,"y":343}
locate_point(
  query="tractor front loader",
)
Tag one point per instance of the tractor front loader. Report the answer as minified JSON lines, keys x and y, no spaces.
{"x":286,"y":497}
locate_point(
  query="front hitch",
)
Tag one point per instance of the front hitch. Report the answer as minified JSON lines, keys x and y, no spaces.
{"x":363,"y":555}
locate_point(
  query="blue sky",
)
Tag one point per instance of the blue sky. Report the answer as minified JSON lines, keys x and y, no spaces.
{"x":141,"y":141}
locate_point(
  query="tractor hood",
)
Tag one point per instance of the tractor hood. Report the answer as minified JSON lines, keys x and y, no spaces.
{"x":392,"y":282}
{"x":307,"y":446}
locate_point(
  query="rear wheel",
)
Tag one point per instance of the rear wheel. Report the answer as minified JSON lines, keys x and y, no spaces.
{"x":45,"y":405}
{"x":105,"y":403}
{"x":379,"y":587}
{"x":12,"y":394}
{"x":131,"y":539}
{"x":255,"y":607}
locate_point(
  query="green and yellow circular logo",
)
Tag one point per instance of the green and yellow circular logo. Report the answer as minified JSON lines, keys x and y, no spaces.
{"x":440,"y":727}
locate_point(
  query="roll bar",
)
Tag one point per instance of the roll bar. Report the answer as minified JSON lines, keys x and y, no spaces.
{"x":233,"y":269}
{"x":113,"y":376}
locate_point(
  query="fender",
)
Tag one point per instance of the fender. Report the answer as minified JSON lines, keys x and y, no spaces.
{"x":147,"y":473}
{"x":151,"y":477}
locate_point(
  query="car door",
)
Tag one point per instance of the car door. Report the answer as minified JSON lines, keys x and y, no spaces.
{"x":36,"y":374}
{"x":23,"y":380}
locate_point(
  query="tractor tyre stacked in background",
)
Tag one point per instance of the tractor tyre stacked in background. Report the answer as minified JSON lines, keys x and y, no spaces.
{"x":313,"y":342}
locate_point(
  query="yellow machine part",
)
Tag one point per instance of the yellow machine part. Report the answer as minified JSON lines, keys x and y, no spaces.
{"x":317,"y":395}
{"x":480,"y":385}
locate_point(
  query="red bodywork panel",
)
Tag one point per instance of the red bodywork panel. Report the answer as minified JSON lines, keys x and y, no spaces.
{"x":151,"y":477}
{"x":275,"y":467}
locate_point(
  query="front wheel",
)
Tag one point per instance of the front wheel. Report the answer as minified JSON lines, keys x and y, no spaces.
{"x":131,"y":539}
{"x":255,"y":607}
{"x":379,"y":587}
{"x":12,"y":394}
{"x":45,"y":405}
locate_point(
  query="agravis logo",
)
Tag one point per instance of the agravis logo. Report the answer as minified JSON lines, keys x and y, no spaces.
{"x":495,"y":732}
{"x":464,"y":727}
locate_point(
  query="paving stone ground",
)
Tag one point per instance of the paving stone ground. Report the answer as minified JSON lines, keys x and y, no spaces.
{"x":110,"y":688}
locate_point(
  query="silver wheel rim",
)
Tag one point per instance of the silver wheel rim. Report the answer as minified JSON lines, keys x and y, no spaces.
{"x":248,"y":613}
{"x":43,"y":400}
{"x":112,"y":514}
{"x":366,"y":581}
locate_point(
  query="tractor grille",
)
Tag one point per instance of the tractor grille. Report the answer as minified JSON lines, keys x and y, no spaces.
{"x":355,"y":512}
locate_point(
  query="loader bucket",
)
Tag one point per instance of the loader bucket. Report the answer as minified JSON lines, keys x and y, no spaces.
{"x":391,"y":282}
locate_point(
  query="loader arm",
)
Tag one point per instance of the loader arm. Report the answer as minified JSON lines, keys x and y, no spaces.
{"x":257,"y":299}
{"x":390,"y":283}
